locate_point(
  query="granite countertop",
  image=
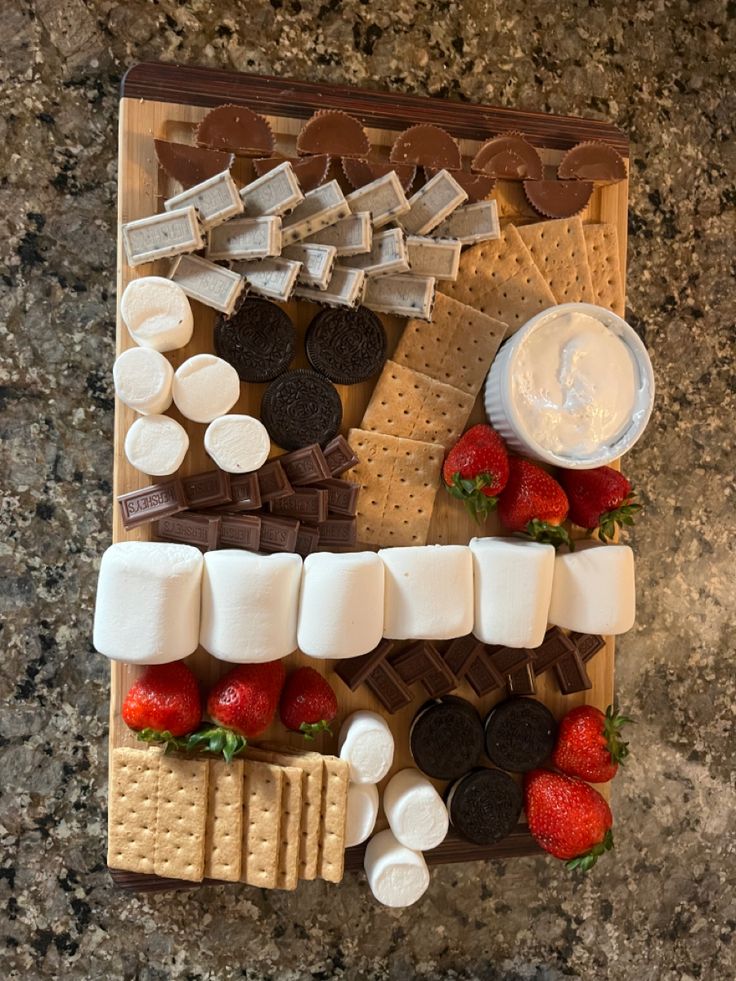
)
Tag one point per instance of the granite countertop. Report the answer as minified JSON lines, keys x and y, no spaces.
{"x":662,"y":906}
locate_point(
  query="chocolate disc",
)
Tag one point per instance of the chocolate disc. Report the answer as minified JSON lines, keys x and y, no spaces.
{"x":258,"y":340}
{"x":593,"y":161}
{"x":428,"y":146}
{"x":476,"y":186}
{"x":346,"y":345}
{"x":236,"y":128}
{"x":520,"y":734}
{"x":485,"y":806}
{"x":191,"y":165}
{"x":299,"y":408}
{"x":333,"y":132}
{"x":558,"y":199}
{"x":508,"y":157}
{"x":309,"y":171}
{"x":446,"y":738}
{"x":358,"y":173}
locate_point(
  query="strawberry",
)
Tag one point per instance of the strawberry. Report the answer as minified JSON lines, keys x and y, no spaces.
{"x":534,"y":503}
{"x":476,"y":470}
{"x":308,"y":704}
{"x":163,"y":704}
{"x":601,"y":498}
{"x":242,"y":705}
{"x":568,"y":818}
{"x":589,"y":744}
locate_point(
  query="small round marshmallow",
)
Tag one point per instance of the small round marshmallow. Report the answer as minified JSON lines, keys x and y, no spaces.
{"x":156,"y":445}
{"x":362,"y":812}
{"x":367,"y":744}
{"x":397,"y":875}
{"x":415,"y":811}
{"x":143,"y":379}
{"x":157,"y":313}
{"x":205,"y":387}
{"x":237,"y":444}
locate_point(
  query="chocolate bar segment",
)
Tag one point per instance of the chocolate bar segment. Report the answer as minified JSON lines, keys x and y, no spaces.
{"x":571,"y":674}
{"x":423,"y":662}
{"x":587,"y":645}
{"x":553,"y":648}
{"x":338,"y":532}
{"x":305,"y":466}
{"x":342,"y":496}
{"x":307,"y":539}
{"x":200,"y":530}
{"x":278,"y":534}
{"x":240,"y":531}
{"x":506,"y":660}
{"x":272,"y":481}
{"x":354,"y":670}
{"x":461,"y":653}
{"x":388,"y":687}
{"x":521,"y":681}
{"x":339,"y":456}
{"x":207,"y":490}
{"x":246,"y":491}
{"x":482,"y":675}
{"x":306,"y":504}
{"x":151,"y":503}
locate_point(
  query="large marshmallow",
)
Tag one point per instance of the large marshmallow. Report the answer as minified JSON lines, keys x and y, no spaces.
{"x":205,"y":387}
{"x":143,"y":380}
{"x":156,"y":445}
{"x":593,"y":589}
{"x":237,"y":444}
{"x":147,"y":609}
{"x":429,"y":592}
{"x":513,"y":585}
{"x":362,"y":811}
{"x":157,"y":313}
{"x":415,"y":811}
{"x":367,"y":743}
{"x":249,"y":605}
{"x":397,"y":875}
{"x":341,"y":604}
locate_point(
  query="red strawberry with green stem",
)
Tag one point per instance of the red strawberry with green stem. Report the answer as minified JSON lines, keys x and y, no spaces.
{"x":601,"y":498}
{"x":589,"y":743}
{"x":164,"y":704}
{"x":476,"y":470}
{"x":568,"y":818}
{"x":308,"y":703}
{"x":242,"y":705}
{"x":533,"y":502}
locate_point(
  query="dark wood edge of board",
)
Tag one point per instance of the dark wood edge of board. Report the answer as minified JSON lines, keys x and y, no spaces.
{"x":385,"y":110}
{"x":518,"y":844}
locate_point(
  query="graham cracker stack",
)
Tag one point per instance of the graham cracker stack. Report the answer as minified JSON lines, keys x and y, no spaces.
{"x":601,"y":242}
{"x":559,"y":251}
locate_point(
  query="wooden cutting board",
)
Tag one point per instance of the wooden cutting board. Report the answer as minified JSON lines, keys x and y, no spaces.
{"x":167,"y":101}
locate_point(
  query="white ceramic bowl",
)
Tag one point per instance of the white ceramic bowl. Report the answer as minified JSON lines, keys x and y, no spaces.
{"x":506,"y":419}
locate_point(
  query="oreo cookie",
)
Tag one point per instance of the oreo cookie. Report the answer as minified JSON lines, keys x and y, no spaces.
{"x":446,"y":738}
{"x":301,"y":407}
{"x":519,"y":734}
{"x":258,"y":340}
{"x":484,"y":806}
{"x":347,"y":346}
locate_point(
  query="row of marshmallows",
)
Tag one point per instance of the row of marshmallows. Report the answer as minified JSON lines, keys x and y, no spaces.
{"x":156,"y":602}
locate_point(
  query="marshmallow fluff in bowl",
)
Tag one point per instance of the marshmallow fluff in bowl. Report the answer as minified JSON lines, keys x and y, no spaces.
{"x":573,"y":387}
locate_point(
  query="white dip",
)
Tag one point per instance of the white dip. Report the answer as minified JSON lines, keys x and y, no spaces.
{"x":574,"y":385}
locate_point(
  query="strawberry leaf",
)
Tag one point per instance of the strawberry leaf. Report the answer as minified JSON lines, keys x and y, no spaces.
{"x":470,"y":490}
{"x":165,"y":737}
{"x":617,"y":747}
{"x":311,"y":729}
{"x":549,"y":534}
{"x":216,"y":740}
{"x":586,"y":861}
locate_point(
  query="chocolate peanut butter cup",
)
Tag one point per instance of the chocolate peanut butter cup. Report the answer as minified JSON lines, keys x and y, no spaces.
{"x":191,"y":165}
{"x":301,"y":407}
{"x":593,"y":161}
{"x":509,"y":157}
{"x":309,"y":171}
{"x":485,"y":805}
{"x":428,"y":146}
{"x":258,"y":340}
{"x":358,"y":173}
{"x":333,"y":132}
{"x":558,"y":199}
{"x":237,"y":129}
{"x":446,"y":738}
{"x":519,"y":734}
{"x":347,"y":346}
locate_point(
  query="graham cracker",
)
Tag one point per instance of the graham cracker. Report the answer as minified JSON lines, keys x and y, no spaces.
{"x":291,"y":819}
{"x":601,"y":242}
{"x":456,"y":347}
{"x":334,"y":812}
{"x":181,"y":818}
{"x":501,"y":279}
{"x":311,"y":766}
{"x":408,"y":403}
{"x":399,"y":478}
{"x":224,"y":829}
{"x":558,"y":249}
{"x":261,"y":824}
{"x":132,"y":808}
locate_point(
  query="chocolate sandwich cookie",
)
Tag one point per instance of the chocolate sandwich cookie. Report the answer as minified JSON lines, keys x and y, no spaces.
{"x":484,"y":806}
{"x":258,"y":340}
{"x":519,"y":734}
{"x":446,"y":738}
{"x":301,"y":407}
{"x":347,"y":346}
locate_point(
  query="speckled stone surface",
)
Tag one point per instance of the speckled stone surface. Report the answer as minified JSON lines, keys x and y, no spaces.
{"x":663,"y":906}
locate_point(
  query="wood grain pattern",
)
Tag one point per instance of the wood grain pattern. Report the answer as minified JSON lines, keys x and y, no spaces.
{"x":142,"y":189}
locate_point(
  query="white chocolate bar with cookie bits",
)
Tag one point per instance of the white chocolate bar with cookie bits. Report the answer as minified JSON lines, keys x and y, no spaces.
{"x":384,"y":198}
{"x":472,"y":223}
{"x":345,"y":289}
{"x":403,"y":295}
{"x":273,"y":278}
{"x":350,"y":236}
{"x":317,"y":263}
{"x":277,"y":192}
{"x":216,"y":199}
{"x":433,"y":257}
{"x":320,"y":208}
{"x":205,"y":281}
{"x":245,"y":238}
{"x":387,"y":255}
{"x":158,"y":236}
{"x":432,"y":203}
